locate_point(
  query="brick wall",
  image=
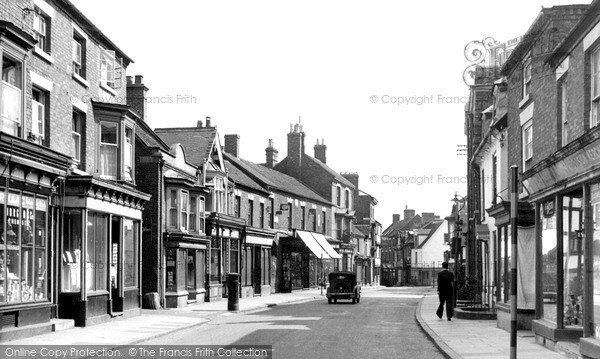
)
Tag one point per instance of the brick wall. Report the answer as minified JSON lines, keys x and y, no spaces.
{"x":65,"y":88}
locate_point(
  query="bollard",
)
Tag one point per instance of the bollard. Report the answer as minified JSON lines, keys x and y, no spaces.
{"x":233,"y":298}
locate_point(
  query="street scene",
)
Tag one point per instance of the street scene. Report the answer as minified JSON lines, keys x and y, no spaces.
{"x":260,"y":179}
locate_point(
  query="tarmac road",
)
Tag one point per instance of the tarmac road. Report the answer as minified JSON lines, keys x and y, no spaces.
{"x":382,"y":325}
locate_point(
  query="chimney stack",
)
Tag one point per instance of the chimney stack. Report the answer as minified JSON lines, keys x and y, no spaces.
{"x":352,"y":177}
{"x":199,"y":124}
{"x":271,"y":154}
{"x":208,"y":121}
{"x":409,"y":213}
{"x":321,"y":151}
{"x":232,"y":145}
{"x":136,"y":95}
{"x":427,"y":217}
{"x":395,"y":218}
{"x":295,"y":151}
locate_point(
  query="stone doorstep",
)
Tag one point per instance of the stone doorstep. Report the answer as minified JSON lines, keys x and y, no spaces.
{"x":62,"y":324}
{"x":568,"y":349}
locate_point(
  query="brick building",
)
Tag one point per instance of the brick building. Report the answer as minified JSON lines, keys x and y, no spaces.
{"x":203,"y":149}
{"x":397,"y":243}
{"x":58,"y":68}
{"x":301,"y":253}
{"x":331,"y":185}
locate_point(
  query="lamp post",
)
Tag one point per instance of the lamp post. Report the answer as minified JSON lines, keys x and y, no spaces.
{"x":456,"y":240}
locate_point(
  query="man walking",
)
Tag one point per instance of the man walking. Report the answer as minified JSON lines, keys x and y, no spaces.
{"x":445,"y":281}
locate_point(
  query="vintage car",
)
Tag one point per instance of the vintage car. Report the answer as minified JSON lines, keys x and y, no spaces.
{"x":342,"y":285}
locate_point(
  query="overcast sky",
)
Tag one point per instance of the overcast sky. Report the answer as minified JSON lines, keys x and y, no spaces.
{"x":257,"y":66}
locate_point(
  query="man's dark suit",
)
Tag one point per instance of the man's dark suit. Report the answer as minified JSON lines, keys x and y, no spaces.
{"x":445,"y":280}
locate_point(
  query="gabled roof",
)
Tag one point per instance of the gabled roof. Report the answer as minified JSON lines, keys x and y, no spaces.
{"x":271,"y":179}
{"x":403,"y":225}
{"x":197,"y":141}
{"x":433,"y":227}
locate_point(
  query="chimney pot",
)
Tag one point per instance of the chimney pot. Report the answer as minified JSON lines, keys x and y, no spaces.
{"x":139,"y":79}
{"x":207,"y":121}
{"x":129,"y":79}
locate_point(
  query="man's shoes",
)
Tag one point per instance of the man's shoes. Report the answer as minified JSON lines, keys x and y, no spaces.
{"x":439,"y":315}
{"x":449,"y":319}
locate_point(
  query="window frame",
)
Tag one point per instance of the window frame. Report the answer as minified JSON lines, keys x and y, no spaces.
{"x":77,"y":122}
{"x":111,"y":145}
{"x":15,"y":56}
{"x":38,"y":127}
{"x":526,"y":78}
{"x":41,"y":35}
{"x":595,"y":87}
{"x":527,"y":133}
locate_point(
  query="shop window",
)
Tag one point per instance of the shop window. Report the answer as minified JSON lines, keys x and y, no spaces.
{"x":130,"y":249}
{"x":573,"y":259}
{"x":171,"y":283}
{"x":549,"y":261}
{"x":215,"y":260}
{"x":12,"y":95}
{"x":23,"y":247}
{"x":71,"y":256}
{"x":233,"y":255}
{"x":96,"y":263}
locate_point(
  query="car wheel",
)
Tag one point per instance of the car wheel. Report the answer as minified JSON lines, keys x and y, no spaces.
{"x":329,"y":300}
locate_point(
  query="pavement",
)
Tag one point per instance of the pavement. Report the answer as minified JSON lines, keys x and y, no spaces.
{"x":458,"y":338}
{"x":481,"y":339}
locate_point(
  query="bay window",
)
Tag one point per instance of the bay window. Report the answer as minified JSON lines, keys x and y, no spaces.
{"x":185,"y":211}
{"x":109,"y":148}
{"x":117,"y":151}
{"x":12,"y":95}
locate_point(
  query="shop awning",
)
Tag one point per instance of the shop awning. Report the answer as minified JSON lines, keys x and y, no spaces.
{"x":263,"y":241}
{"x":312,"y":244}
{"x":326,"y":246}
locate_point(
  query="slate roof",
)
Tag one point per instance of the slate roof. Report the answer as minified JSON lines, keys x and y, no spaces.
{"x":197,"y":141}
{"x":272,"y":179}
{"x":338,"y":177}
{"x":240,"y":178}
{"x":403,"y":225}
{"x":149,"y":137}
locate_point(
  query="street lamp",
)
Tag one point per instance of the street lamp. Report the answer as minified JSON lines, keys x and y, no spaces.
{"x":456,"y":242}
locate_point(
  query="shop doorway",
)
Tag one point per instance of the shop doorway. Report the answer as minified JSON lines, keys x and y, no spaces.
{"x":256,"y":270}
{"x":116,"y":266}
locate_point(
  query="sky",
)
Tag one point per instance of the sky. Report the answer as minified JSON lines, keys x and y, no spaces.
{"x":380,"y":81}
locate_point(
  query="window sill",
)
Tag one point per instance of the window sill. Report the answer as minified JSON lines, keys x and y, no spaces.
{"x":44,"y":55}
{"x":81,"y":80}
{"x":108,"y":89}
{"x":524,"y":101}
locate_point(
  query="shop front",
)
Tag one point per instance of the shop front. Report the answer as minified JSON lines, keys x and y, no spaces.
{"x":256,"y":262}
{"x":566,"y":192}
{"x":225,"y":252}
{"x":99,"y":271}
{"x":185,"y":269}
{"x":306,"y":259}
{"x":29,"y":217}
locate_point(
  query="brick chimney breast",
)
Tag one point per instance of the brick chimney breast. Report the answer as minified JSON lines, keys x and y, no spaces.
{"x":232,"y":145}
{"x":136,"y":93}
{"x":295,"y":151}
{"x":395,"y":218}
{"x":271,"y":153}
